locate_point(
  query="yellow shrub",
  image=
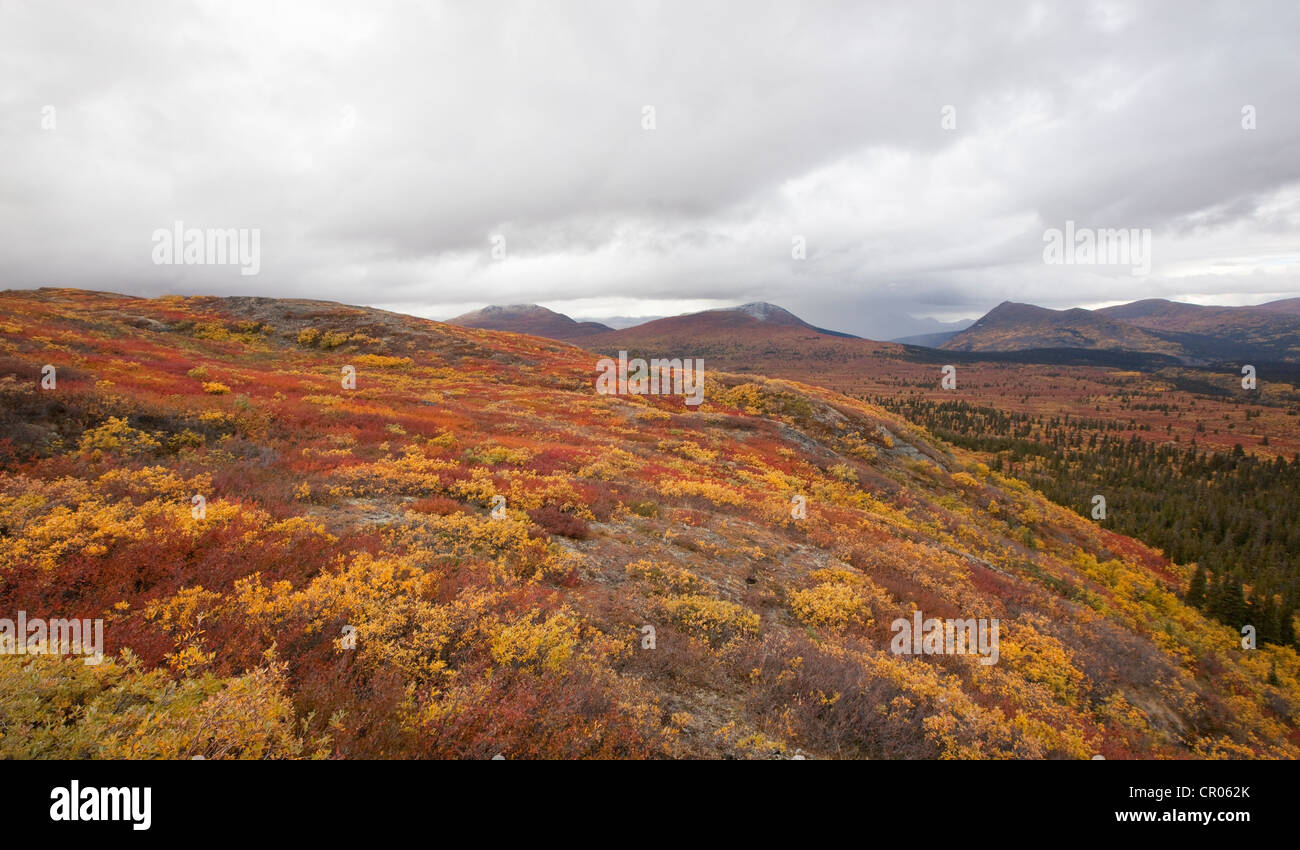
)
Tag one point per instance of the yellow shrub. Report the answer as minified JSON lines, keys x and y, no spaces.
{"x":1041,"y":658}
{"x":714,"y":620}
{"x":748,"y":397}
{"x":830,"y":605}
{"x":116,"y":436}
{"x":844,"y":472}
{"x":499,"y":454}
{"x":719,"y":494}
{"x":382,"y":361}
{"x":689,"y":449}
{"x":116,"y":710}
{"x":542,"y":645}
{"x":211,"y":330}
{"x":663,"y":576}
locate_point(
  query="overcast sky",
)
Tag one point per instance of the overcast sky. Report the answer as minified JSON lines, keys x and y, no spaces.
{"x":379,"y":149}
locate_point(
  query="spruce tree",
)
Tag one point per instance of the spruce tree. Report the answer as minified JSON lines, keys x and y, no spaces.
{"x":1196,"y":590}
{"x":1217,"y":604}
{"x":1238,"y":613}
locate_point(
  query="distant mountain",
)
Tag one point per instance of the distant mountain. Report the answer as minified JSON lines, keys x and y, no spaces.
{"x":528,"y":319}
{"x":1019,"y":327}
{"x":1265,"y":330}
{"x":753,"y":339}
{"x":758,"y":317}
{"x":1192,"y":333}
{"x":1161,"y":314}
{"x":1155,"y":312}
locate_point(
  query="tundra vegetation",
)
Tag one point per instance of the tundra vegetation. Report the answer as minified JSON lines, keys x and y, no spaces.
{"x":348,"y":592}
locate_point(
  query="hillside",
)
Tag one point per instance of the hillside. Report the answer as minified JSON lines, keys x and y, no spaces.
{"x":1290,"y":306}
{"x":1194,"y":334}
{"x":528,"y":319}
{"x":1020,"y":327}
{"x":345,"y":589}
{"x":1266,"y":331}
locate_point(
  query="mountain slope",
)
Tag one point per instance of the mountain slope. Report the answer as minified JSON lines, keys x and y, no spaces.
{"x":1290,"y":306}
{"x":1019,"y":327}
{"x":1264,"y":331}
{"x":1192,"y":333}
{"x":754,"y":320}
{"x":528,"y":319}
{"x":731,"y":341}
{"x":646,"y":587}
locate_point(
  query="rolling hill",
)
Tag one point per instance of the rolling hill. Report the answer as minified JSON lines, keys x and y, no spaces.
{"x":314,"y":530}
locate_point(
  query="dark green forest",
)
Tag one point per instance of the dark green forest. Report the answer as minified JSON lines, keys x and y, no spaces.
{"x":1231,"y":513}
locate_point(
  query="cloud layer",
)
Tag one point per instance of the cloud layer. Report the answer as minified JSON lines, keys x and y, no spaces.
{"x":385,"y":150}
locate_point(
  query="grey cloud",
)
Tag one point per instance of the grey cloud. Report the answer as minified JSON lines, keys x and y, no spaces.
{"x":380,"y":147}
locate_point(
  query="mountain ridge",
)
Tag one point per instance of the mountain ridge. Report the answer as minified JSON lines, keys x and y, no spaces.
{"x":539,"y":321}
{"x":1194,"y":334}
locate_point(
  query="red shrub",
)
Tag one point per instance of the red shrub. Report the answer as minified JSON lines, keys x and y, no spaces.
{"x":439,"y":505}
{"x":555,"y":521}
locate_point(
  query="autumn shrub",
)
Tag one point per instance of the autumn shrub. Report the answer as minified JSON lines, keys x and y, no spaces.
{"x":520,"y":714}
{"x":644,"y":509}
{"x":844,"y":472}
{"x":382,"y":361}
{"x":492,"y":455}
{"x":712,"y":491}
{"x":832,"y":702}
{"x":663,"y":577}
{"x":553,"y":520}
{"x":211,"y":330}
{"x":830,"y":605}
{"x":599,"y":498}
{"x":439,"y":505}
{"x":116,"y":436}
{"x":543,"y":644}
{"x":747,"y":397}
{"x":713,"y":620}
{"x":119,"y":710}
